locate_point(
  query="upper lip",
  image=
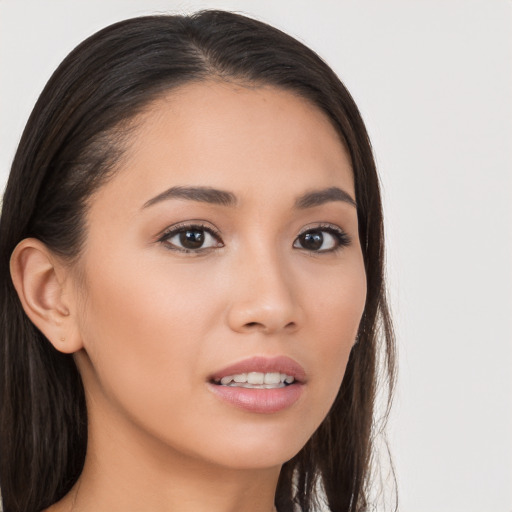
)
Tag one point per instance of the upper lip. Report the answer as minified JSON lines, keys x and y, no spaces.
{"x":281,"y":364}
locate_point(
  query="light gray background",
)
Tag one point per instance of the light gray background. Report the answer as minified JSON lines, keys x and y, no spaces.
{"x":433,"y":80}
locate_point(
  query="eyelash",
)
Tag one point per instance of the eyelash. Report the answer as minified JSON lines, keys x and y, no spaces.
{"x":341,"y":237}
{"x":182,"y":228}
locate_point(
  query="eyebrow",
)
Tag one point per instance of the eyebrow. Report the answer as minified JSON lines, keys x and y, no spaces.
{"x":225,"y":198}
{"x":319,"y":197}
{"x":201,"y":194}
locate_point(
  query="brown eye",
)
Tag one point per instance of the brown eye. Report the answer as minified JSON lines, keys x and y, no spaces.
{"x":191,"y":239}
{"x":312,"y":240}
{"x":324,"y":239}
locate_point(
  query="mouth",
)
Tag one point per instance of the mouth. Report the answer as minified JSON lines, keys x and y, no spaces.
{"x":260,"y":384}
{"x":261,"y":373}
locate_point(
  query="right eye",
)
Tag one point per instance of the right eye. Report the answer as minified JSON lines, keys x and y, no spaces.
{"x":191,"y":238}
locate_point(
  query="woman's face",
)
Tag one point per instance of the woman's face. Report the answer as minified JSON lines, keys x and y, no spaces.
{"x":225,"y":247}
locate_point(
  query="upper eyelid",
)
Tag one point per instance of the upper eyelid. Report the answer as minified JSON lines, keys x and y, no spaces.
{"x":176,"y":228}
{"x":323,"y":226}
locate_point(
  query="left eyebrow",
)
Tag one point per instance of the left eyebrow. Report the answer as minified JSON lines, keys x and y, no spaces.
{"x":201,"y":194}
{"x":326,"y":195}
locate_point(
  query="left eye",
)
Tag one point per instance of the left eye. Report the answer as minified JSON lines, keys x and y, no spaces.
{"x":321,"y":240}
{"x":191,"y":238}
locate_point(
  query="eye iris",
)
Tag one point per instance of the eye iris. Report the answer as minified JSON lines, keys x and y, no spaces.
{"x":312,"y":240}
{"x":192,"y":238}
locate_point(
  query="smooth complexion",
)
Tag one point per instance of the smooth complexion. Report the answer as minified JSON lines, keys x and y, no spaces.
{"x":176,"y":283}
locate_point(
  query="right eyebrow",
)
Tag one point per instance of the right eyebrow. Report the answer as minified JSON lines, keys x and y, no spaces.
{"x":201,"y":194}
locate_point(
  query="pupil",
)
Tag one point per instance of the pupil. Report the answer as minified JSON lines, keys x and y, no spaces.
{"x":192,"y":239}
{"x":312,"y":240}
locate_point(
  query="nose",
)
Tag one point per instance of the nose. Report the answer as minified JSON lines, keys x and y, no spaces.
{"x":264,"y":297}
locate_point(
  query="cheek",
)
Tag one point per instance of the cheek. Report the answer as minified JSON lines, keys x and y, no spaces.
{"x":145,"y":303}
{"x":335,"y":316}
{"x":142,"y":333}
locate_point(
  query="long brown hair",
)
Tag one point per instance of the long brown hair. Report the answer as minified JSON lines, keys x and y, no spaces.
{"x":69,"y":148}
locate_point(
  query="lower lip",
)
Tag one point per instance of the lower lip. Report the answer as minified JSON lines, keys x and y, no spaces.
{"x":263,"y":401}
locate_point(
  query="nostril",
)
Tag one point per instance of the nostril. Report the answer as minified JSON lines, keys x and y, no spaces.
{"x":290,"y":326}
{"x":251,"y":326}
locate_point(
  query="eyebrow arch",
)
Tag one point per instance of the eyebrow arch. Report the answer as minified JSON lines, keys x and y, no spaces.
{"x":319,"y":197}
{"x":201,"y":194}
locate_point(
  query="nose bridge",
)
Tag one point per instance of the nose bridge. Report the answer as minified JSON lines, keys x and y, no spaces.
{"x":264,"y":297}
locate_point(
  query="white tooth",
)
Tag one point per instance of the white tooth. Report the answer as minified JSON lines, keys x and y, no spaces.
{"x":255,"y":386}
{"x":255,"y":378}
{"x":272,"y":378}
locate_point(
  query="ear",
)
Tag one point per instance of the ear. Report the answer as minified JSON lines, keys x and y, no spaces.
{"x":44,"y":289}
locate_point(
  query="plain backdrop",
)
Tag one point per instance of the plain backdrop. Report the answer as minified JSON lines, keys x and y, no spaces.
{"x":433,"y":80}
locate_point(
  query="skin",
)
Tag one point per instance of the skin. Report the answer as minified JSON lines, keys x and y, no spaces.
{"x":148,"y":324}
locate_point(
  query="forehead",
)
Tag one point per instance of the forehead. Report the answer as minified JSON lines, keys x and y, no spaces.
{"x":251,"y":140}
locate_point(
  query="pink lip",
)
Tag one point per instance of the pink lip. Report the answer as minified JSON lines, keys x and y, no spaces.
{"x":263,"y":401}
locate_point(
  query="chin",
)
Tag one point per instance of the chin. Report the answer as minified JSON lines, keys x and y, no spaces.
{"x":253,"y":447}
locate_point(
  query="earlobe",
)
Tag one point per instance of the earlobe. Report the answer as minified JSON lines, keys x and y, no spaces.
{"x":40,"y":282}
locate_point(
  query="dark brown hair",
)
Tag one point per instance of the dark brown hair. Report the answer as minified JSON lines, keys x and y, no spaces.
{"x":70,"y":146}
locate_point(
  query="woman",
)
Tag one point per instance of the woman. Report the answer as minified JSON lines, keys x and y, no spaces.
{"x":192,"y":278}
